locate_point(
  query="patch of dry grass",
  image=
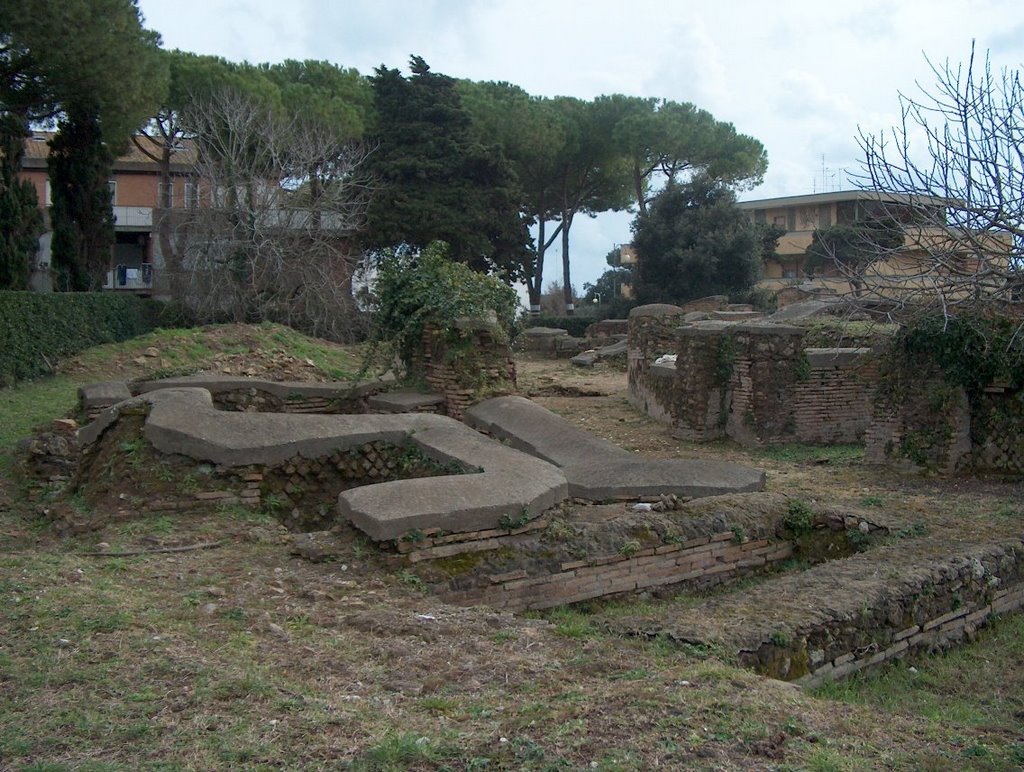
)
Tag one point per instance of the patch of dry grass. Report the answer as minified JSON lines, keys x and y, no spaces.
{"x":246,"y":657}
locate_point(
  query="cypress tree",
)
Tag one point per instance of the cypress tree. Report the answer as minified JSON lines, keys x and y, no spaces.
{"x":21,"y":222}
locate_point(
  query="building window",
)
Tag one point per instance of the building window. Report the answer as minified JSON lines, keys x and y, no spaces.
{"x":779,"y":220}
{"x":191,"y":194}
{"x":165,"y":194}
{"x":112,"y":184}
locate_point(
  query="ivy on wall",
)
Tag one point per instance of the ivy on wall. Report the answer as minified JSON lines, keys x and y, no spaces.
{"x":927,"y":365}
{"x":413,"y":290}
{"x":971,"y":351}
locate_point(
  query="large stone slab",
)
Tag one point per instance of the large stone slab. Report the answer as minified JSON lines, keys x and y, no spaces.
{"x":597,"y":469}
{"x":218,"y":384}
{"x":184,"y":421}
{"x":98,"y":395}
{"x":509,"y":483}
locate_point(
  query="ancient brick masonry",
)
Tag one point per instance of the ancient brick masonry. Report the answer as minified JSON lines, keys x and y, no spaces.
{"x":757,"y":383}
{"x":477,"y":362}
{"x":833,"y":404}
{"x":651,"y":335}
{"x":933,"y":425}
{"x":962,"y":596}
{"x":700,"y":562}
{"x":754,"y":383}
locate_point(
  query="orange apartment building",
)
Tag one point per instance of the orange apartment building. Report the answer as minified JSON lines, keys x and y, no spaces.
{"x":135,"y":260}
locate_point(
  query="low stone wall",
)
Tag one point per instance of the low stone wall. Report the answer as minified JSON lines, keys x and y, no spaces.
{"x":252,"y":395}
{"x":651,"y":335}
{"x":542,"y":340}
{"x":607,"y":330}
{"x":709,"y":303}
{"x":948,"y":606}
{"x":879,"y":605}
{"x":701,"y":562}
{"x":558,"y":560}
{"x":122,"y":471}
{"x":938,"y":632}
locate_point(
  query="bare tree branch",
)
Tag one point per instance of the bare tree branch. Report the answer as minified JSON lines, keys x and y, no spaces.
{"x":951,"y":176}
{"x":273,"y":234}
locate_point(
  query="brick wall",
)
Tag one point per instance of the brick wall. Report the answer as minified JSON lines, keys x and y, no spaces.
{"x":833,"y":404}
{"x":700,"y":562}
{"x":754,"y":383}
{"x":462,"y":363}
{"x":942,"y":610}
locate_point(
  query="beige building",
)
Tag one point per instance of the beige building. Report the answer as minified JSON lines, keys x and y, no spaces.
{"x":930,"y":252}
{"x":800,"y":216}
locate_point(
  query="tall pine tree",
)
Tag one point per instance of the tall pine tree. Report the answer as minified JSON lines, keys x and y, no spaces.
{"x":90,"y":66}
{"x":437,"y":182}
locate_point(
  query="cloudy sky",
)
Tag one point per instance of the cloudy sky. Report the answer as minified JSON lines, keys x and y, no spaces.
{"x":801,"y":75}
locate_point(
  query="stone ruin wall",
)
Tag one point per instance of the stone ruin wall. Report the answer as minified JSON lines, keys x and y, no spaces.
{"x":757,"y":383}
{"x":934,"y":426}
{"x":937,"y":611}
{"x":697,"y":563}
{"x":479,"y":363}
{"x":997,"y":431}
{"x":301,"y":492}
{"x":752,"y":383}
{"x":651,"y":333}
{"x":834,"y":402}
{"x":707,"y":552}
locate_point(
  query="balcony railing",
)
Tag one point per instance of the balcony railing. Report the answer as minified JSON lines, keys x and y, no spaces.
{"x":133,"y":216}
{"x":125,"y":278}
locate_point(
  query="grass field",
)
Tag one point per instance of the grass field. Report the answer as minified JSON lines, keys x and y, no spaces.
{"x":242,"y":656}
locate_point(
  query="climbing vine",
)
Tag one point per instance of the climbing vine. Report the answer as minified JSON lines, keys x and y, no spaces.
{"x":934,"y":360}
{"x":725,"y":359}
{"x":970,"y":351}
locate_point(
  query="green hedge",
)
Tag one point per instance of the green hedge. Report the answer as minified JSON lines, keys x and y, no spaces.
{"x":574,"y":325}
{"x":37,"y":330}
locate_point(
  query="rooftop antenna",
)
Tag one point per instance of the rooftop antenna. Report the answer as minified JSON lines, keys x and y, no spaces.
{"x":830,"y":178}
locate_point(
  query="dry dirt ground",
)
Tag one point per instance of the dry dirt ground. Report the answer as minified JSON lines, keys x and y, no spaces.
{"x":596,"y":399}
{"x":256,"y":653}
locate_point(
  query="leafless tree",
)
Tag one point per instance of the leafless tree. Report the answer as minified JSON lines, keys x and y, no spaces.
{"x":950,"y":178}
{"x":270,"y":230}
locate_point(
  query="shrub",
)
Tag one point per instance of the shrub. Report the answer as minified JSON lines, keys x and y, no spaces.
{"x":39,"y":329}
{"x":799,"y":519}
{"x":412,"y":290}
{"x":574,"y":325}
